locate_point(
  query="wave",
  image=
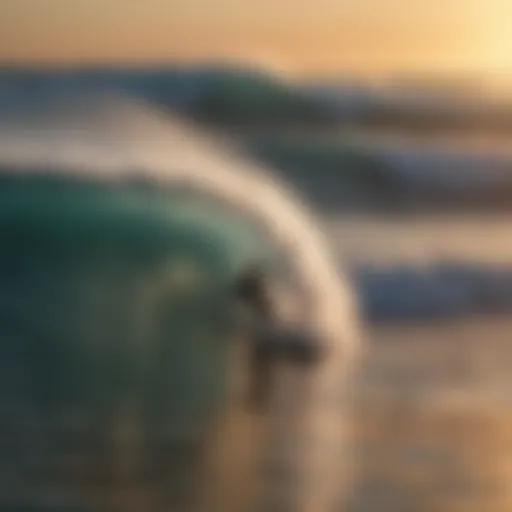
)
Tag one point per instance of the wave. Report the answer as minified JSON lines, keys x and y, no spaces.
{"x":435,"y":290}
{"x":429,"y":168}
{"x":99,"y":196}
{"x":220,"y":93}
{"x":115,"y":140}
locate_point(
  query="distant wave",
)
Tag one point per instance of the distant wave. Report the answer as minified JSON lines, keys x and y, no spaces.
{"x":431,"y":172}
{"x":436,"y":290}
{"x":392,"y":171}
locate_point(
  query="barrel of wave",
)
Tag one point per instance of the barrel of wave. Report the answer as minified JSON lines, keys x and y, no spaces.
{"x":128,"y":313}
{"x":116,"y":309}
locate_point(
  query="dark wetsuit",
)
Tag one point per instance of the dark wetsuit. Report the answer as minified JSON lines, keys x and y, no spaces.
{"x":252,"y":290}
{"x":272,"y":343}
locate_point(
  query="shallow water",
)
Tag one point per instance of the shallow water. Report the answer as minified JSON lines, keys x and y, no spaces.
{"x":432,"y":418}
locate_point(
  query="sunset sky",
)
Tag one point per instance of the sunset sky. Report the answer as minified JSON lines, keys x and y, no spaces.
{"x":296,"y":35}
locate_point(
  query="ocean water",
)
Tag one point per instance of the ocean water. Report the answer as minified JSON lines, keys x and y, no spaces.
{"x":116,"y":309}
{"x":119,"y":231}
{"x":432,"y":266}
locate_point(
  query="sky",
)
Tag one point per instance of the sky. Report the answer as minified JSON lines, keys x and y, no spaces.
{"x":302,"y":36}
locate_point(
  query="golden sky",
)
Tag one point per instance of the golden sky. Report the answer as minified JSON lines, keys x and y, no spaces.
{"x":297,"y":35}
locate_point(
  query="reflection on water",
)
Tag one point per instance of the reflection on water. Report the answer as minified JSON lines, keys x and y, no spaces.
{"x":433,"y":422}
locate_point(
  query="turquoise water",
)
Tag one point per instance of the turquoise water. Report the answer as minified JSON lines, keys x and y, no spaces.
{"x":113,"y":299}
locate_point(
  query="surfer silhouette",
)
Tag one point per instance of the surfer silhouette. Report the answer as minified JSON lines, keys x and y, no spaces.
{"x":270,"y":341}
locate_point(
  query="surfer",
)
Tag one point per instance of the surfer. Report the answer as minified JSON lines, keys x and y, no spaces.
{"x":270,"y":340}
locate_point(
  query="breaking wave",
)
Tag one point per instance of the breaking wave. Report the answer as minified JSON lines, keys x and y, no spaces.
{"x":97,"y":195}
